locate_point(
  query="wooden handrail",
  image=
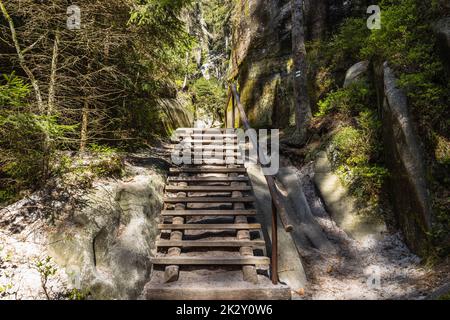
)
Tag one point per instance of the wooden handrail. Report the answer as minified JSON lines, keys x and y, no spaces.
{"x":276,"y":197}
{"x":278,"y":209}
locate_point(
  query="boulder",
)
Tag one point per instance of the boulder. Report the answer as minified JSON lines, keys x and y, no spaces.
{"x":356,"y":73}
{"x":98,"y":239}
{"x":107,"y":245}
{"x":404,"y":159}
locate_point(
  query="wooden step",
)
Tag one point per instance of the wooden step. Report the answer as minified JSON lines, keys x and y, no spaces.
{"x":211,"y":260}
{"x":209,"y":147}
{"x":213,"y":141}
{"x":206,"y":213}
{"x":184,"y":130}
{"x":232,"y":292}
{"x":215,"y":147}
{"x":207,"y":188}
{"x":208,"y":170}
{"x":207,"y":179}
{"x":210,"y":153}
{"x":217,"y":161}
{"x":222,"y":226}
{"x":208,"y":199}
{"x":207,"y":135}
{"x":211,"y":243}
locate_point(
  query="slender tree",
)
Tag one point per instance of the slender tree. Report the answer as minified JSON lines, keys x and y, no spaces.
{"x":301,"y":97}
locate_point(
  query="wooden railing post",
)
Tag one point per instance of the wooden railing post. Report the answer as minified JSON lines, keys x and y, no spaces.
{"x":274,"y":259}
{"x":233,"y":114}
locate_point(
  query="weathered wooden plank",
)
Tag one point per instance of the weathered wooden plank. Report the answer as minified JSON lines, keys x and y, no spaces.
{"x":230,"y":293}
{"x":210,"y":154}
{"x":207,"y":170}
{"x":207,"y":188}
{"x":214,"y":147}
{"x":210,"y":243}
{"x":222,"y":226}
{"x":207,"y":179}
{"x":184,"y":130}
{"x":179,"y":260}
{"x":213,"y":141}
{"x":207,"y":135}
{"x":208,"y":199}
{"x":205,"y":213}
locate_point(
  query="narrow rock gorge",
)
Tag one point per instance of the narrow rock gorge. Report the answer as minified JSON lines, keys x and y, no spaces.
{"x":92,"y":97}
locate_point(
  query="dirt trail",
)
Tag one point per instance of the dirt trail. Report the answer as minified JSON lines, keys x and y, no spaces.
{"x":372,"y":269}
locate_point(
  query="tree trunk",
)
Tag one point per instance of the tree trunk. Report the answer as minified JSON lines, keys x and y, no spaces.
{"x":301,"y":98}
{"x":21,"y":57}
{"x":84,"y":126}
{"x":51,"y":105}
{"x":52,"y":85}
{"x":85,"y":116}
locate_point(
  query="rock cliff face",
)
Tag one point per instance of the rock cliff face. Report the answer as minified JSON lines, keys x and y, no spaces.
{"x":262,"y":60}
{"x":262,"y":55}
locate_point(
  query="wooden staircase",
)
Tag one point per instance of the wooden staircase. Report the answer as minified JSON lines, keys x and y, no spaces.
{"x":210,"y":244}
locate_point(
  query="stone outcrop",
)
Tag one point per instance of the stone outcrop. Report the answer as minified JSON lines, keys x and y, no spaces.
{"x":356,"y":73}
{"x":408,"y":186}
{"x":178,"y":112}
{"x":101,"y":242}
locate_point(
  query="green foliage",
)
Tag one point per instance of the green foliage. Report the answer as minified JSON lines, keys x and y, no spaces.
{"x":210,"y":96}
{"x":445,"y":297}
{"x":356,"y":146}
{"x":46,"y":269}
{"x":110,"y":166}
{"x":107,"y":163}
{"x":406,"y":40}
{"x":77,"y":295}
{"x":217,"y":15}
{"x":19,"y":132}
{"x":354,"y":150}
{"x":23,"y":153}
{"x":349,"y":101}
{"x":13,"y":92}
{"x":102,"y":149}
{"x":345,"y":46}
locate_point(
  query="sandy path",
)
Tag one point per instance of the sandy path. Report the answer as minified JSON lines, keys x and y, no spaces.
{"x":372,"y":269}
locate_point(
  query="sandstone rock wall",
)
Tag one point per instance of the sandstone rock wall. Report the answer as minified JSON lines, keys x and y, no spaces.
{"x":407,"y":183}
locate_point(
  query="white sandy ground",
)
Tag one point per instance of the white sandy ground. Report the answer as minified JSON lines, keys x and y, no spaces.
{"x":369,"y":270}
{"x":19,"y":277}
